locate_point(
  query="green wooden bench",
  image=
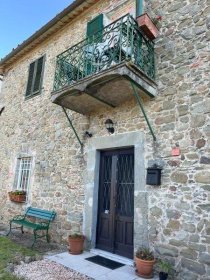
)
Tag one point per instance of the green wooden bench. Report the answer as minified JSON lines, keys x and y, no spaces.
{"x":44,"y":218}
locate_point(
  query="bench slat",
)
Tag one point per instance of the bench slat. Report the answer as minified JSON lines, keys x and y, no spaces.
{"x":39,"y":213}
{"x":39,"y":210}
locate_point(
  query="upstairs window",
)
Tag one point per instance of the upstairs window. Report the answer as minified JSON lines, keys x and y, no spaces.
{"x":23,"y":173}
{"x":35,"y":77}
{"x":94,"y":26}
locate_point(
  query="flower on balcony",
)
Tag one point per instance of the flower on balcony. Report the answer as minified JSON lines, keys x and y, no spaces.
{"x":159,"y":17}
{"x":157,"y":20}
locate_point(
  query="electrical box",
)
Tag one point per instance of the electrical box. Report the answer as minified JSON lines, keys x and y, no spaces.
{"x":153,"y":176}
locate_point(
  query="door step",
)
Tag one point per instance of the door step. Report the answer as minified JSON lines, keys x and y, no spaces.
{"x":113,"y":257}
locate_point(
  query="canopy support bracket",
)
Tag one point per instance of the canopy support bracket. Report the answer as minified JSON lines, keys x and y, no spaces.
{"x":139,"y":101}
{"x":71,"y":125}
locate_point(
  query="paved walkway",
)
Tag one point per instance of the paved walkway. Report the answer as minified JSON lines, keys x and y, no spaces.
{"x":97,"y":272}
{"x":60,"y":255}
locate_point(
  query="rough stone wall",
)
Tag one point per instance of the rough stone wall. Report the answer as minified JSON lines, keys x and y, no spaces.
{"x":179,"y":210}
{"x":38,"y":128}
{"x":182,"y":204}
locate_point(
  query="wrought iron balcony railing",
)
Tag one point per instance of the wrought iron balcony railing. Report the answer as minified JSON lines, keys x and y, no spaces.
{"x":118,"y":42}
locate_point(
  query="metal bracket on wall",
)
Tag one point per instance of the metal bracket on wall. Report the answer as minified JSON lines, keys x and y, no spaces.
{"x":139,"y":101}
{"x":71,"y":125}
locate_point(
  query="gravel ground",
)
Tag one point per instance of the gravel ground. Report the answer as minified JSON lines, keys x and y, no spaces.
{"x":47,"y":270}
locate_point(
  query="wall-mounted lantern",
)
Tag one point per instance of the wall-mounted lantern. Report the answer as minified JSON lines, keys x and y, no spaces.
{"x":109,"y":126}
{"x":88,"y":134}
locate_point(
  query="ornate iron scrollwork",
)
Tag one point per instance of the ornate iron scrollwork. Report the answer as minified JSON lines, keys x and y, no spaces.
{"x":118,"y":42}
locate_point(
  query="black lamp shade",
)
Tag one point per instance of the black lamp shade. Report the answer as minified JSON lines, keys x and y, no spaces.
{"x":109,"y":125}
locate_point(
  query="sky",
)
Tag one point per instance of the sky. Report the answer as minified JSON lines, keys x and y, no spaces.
{"x":19,"y":19}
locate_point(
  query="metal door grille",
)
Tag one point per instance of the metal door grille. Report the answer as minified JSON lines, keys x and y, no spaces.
{"x":125,"y":186}
{"x":107,"y":183}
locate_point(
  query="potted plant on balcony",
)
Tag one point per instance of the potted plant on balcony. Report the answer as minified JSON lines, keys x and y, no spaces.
{"x":76,"y":243}
{"x":165,"y":268}
{"x":17,"y":196}
{"x":144,"y":263}
{"x":149,"y":26}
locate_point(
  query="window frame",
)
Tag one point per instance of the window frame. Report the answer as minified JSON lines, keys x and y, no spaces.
{"x":39,"y":91}
{"x":19,"y":182}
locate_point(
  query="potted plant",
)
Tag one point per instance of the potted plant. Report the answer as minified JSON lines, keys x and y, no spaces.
{"x":149,"y":26}
{"x":17,"y":196}
{"x":144,"y":263}
{"x":76,"y":243}
{"x":165,"y":268}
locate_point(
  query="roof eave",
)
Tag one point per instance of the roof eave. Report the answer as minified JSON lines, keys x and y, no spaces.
{"x":47,"y":30}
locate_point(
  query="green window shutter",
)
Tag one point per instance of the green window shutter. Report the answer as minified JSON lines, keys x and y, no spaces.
{"x":35,"y":77}
{"x":30,"y":79}
{"x":95,"y":25}
{"x":38,"y":77}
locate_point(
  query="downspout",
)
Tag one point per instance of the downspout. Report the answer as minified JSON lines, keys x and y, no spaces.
{"x":139,"y":7}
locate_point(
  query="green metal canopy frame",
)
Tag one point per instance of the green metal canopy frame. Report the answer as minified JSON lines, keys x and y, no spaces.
{"x":71,"y":125}
{"x":139,"y":101}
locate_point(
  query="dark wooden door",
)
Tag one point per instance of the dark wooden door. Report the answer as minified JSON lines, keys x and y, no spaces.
{"x":116,"y":202}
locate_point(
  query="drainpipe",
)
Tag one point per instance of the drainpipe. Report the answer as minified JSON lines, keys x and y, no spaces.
{"x":139,"y":7}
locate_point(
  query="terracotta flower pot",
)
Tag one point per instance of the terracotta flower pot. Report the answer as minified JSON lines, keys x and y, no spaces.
{"x":147,"y":26}
{"x":11,"y":195}
{"x":17,"y":197}
{"x":76,"y":245}
{"x":144,"y":268}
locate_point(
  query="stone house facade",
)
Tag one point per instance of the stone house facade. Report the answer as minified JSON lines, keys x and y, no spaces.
{"x":84,"y":184}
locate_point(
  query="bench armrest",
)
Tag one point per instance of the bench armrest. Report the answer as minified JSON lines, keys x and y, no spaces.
{"x":18,"y":217}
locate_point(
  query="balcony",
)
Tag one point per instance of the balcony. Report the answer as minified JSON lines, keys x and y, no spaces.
{"x":97,"y":71}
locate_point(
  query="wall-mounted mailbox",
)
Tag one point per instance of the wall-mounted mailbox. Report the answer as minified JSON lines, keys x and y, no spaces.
{"x":153,"y":176}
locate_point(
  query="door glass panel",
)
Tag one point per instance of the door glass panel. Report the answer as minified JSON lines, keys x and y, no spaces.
{"x":125,"y":185}
{"x":107,"y":184}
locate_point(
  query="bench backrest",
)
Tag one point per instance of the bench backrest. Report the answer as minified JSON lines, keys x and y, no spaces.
{"x":40,"y":213}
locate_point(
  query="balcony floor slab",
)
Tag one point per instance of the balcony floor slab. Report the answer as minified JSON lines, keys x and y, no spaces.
{"x":108,"y":88}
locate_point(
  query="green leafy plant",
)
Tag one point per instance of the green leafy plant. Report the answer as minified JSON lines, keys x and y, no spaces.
{"x":77,"y":235}
{"x":164,"y":266}
{"x":17,"y":192}
{"x":145,"y":254}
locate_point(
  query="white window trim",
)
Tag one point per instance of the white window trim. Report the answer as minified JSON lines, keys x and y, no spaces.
{"x":24,"y":165}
